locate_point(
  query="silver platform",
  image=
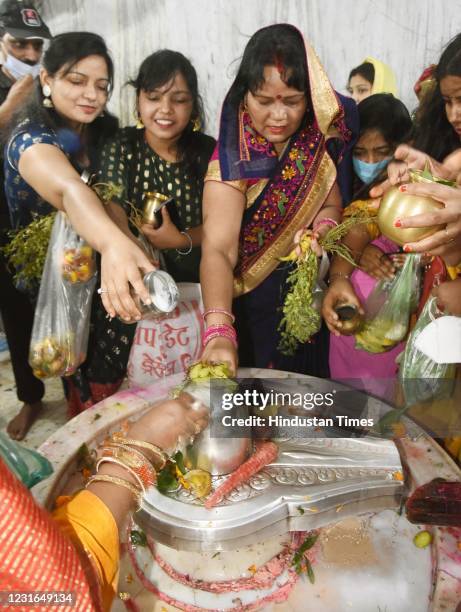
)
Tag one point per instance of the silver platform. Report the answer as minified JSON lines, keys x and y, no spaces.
{"x":314,"y":482}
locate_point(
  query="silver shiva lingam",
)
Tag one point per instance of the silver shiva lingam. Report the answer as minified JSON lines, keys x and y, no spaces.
{"x":242,"y":553}
{"x":301,"y":490}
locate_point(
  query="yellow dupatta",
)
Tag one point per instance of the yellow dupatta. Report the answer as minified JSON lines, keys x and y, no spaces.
{"x":384,"y":81}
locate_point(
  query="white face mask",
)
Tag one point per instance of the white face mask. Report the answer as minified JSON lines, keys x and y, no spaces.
{"x":19,"y":69}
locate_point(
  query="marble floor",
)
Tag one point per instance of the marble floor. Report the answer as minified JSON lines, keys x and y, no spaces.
{"x":52,"y":417}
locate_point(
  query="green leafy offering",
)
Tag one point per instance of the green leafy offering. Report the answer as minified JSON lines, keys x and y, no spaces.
{"x":310,"y":571}
{"x":85,"y":459}
{"x":26,"y":251}
{"x":166,"y":479}
{"x":179,"y":460}
{"x":107,"y":191}
{"x":384,"y":425}
{"x":426,"y":175}
{"x":300,"y":319}
{"x":28,"y":246}
{"x":300,"y":562}
{"x":138,"y":538}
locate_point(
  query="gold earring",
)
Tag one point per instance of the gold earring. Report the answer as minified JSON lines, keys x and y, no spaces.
{"x":137,"y":116}
{"x":47,"y":101}
{"x":196,"y":125}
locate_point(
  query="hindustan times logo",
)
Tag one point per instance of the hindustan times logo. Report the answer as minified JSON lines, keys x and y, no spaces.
{"x":261,"y":401}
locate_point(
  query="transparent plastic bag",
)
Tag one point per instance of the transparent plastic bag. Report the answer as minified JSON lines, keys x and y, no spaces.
{"x":28,"y":465}
{"x":61,"y":323}
{"x":388,"y":309}
{"x":422,"y":378}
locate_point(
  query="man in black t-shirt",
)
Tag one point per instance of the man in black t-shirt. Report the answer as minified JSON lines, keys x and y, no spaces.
{"x":22,"y":35}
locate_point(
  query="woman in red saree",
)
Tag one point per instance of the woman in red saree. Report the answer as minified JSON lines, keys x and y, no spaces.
{"x":281,"y":159}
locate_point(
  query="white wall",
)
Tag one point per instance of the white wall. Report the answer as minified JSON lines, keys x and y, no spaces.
{"x":406,"y":34}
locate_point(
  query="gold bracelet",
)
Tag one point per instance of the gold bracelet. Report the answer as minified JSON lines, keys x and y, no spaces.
{"x":117,"y":481}
{"x":116,"y":437}
{"x":339,"y":274}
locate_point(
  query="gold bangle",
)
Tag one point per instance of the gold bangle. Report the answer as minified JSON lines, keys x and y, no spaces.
{"x":117,"y":481}
{"x":123,"y":465}
{"x":133,"y":459}
{"x":141,"y":444}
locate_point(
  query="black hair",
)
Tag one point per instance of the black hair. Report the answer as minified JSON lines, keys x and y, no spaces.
{"x":159,"y":69}
{"x":64,"y":52}
{"x":279,"y":45}
{"x":433,"y":132}
{"x":390,"y":117}
{"x":365,"y":70}
{"x":386,"y":114}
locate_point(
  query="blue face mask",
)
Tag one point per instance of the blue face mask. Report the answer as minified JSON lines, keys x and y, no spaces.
{"x":368,"y":172}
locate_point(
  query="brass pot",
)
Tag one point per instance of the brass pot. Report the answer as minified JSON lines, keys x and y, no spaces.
{"x":396,"y":205}
{"x":351,"y":319}
{"x":153,"y":202}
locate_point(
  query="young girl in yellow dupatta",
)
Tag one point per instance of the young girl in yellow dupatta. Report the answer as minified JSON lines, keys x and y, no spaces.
{"x":371,"y":77}
{"x":282,"y":156}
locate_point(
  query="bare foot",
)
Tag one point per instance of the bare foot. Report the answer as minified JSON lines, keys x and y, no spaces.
{"x":18,"y":427}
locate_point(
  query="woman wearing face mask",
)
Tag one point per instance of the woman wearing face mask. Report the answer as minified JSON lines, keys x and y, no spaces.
{"x":164,"y":153}
{"x":384,"y":123}
{"x":371,"y":77}
{"x":282,"y":136}
{"x":57,"y":137}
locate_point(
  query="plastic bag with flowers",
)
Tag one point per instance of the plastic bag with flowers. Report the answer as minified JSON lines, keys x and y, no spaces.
{"x":388,"y":309}
{"x":61,"y":323}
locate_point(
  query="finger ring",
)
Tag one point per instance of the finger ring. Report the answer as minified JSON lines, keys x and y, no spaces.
{"x":196,"y":405}
{"x":101,"y":290}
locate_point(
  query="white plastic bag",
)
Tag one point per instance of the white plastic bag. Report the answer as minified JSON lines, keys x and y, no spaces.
{"x":169,"y":344}
{"x":61,"y":322}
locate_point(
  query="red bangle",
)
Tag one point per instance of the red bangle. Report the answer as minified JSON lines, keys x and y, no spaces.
{"x":220,"y":331}
{"x":219,"y":311}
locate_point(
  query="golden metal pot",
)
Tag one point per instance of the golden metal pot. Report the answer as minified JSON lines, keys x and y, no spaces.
{"x":351,"y":319}
{"x":153,"y":202}
{"x":396,"y":205}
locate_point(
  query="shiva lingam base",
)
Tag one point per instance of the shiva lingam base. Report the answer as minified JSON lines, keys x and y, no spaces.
{"x":261,"y":523}
{"x":301,"y":490}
